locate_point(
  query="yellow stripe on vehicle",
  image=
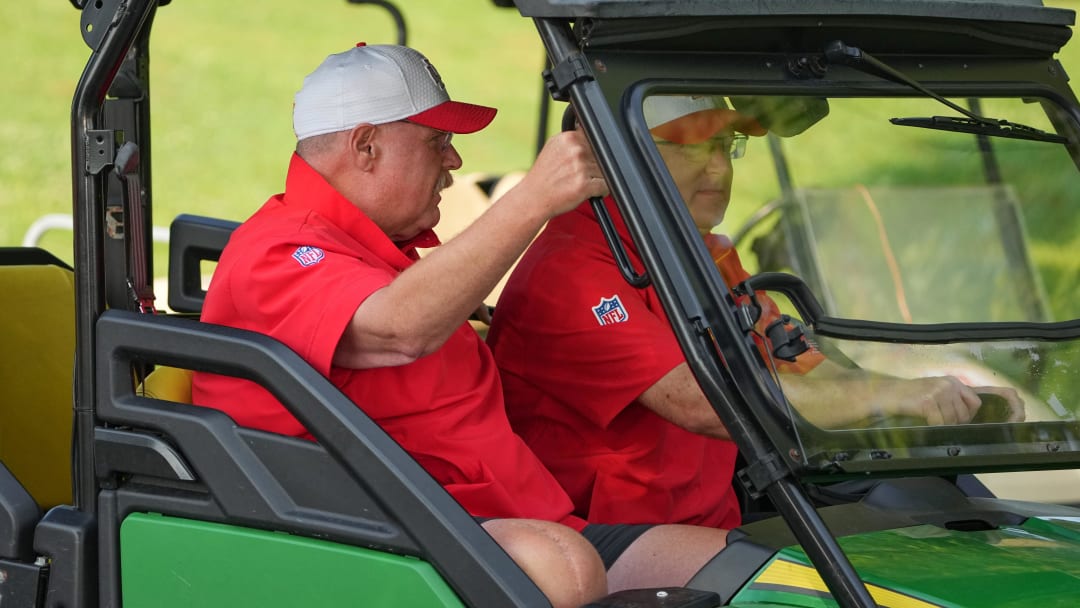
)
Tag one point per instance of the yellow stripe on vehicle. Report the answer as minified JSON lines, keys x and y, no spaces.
{"x":782,"y":575}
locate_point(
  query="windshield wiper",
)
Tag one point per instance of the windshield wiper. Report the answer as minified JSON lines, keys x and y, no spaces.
{"x":1002,"y":128}
{"x":839,"y":53}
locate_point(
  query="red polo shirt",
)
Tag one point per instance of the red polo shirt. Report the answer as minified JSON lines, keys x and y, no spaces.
{"x":297,"y":270}
{"x":576,"y":346}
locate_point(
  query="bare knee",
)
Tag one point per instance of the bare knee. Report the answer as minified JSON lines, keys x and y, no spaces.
{"x":665,"y":556}
{"x":562,"y":563}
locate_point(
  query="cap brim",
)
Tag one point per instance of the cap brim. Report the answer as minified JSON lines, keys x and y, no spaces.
{"x":783,"y":116}
{"x":455,"y":117}
{"x":699,"y":126}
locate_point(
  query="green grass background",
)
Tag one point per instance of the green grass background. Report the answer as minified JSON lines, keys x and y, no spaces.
{"x":223,"y":75}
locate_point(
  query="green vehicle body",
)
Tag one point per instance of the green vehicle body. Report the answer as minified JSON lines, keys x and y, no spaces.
{"x":174,"y":505}
{"x":264,"y":569}
{"x":1037,"y":568}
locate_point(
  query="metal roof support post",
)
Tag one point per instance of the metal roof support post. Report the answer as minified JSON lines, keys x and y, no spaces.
{"x":88,"y":177}
{"x":820,"y":545}
{"x":585,"y":95}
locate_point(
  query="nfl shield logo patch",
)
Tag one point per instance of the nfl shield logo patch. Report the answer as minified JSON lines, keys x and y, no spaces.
{"x":308,"y":255}
{"x":610,"y":310}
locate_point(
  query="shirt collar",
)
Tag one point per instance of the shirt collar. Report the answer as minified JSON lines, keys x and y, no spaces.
{"x":305,"y":187}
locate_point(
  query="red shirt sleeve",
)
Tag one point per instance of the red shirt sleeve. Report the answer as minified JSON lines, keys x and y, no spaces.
{"x":304,"y":298}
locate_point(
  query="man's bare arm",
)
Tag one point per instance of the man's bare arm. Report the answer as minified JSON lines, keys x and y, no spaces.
{"x":678,"y":399}
{"x":832,"y":397}
{"x":416,"y":313}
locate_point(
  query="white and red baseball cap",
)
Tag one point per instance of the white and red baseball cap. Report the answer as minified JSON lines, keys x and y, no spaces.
{"x":377,"y":84}
{"x":689,"y":119}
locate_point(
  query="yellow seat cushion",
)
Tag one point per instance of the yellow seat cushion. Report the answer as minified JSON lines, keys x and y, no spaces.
{"x":168,"y":383}
{"x":37,"y":360}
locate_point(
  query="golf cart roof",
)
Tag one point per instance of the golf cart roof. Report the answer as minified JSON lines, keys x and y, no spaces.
{"x":1012,"y":11}
{"x":973,"y":27}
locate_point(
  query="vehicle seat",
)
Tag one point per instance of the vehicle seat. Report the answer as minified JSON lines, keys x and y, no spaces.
{"x":37,"y":359}
{"x":168,"y":384}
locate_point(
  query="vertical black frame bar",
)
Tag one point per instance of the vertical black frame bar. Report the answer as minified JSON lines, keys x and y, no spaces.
{"x":88,"y":191}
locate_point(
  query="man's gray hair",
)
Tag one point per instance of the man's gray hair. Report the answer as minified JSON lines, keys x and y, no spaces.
{"x":317,"y":145}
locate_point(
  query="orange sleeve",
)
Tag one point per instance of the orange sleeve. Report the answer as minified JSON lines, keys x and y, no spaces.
{"x":731,"y":269}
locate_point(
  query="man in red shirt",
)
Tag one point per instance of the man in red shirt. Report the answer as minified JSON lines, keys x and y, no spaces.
{"x":330,"y":269}
{"x":594,"y":378}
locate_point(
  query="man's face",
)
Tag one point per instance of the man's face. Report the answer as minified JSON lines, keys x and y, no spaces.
{"x":416,"y":166}
{"x":702,"y":172}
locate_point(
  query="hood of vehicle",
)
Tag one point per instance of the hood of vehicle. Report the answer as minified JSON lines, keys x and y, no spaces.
{"x":1036,"y":563}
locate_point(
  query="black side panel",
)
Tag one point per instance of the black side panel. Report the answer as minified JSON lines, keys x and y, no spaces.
{"x":266,"y":481}
{"x":242,"y":476}
{"x":23,"y":584}
{"x":69,"y":537}
{"x":18,"y":515}
{"x":730,"y":570}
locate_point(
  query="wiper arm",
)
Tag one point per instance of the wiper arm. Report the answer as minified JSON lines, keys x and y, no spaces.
{"x":854,"y":57}
{"x":1002,"y":128}
{"x":839,"y":53}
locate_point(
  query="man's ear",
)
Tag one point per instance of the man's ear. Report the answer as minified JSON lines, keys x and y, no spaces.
{"x":361,"y":142}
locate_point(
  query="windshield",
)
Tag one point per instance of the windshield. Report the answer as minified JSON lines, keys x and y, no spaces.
{"x":911,"y":239}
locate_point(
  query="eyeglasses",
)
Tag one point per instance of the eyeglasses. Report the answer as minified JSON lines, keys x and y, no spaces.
{"x":446,"y":140}
{"x":733,"y":146}
{"x":441,"y":140}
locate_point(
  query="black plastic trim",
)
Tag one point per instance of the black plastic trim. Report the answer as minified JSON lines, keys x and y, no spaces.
{"x":18,"y":515}
{"x":804,"y":301}
{"x":30,"y":256}
{"x":69,"y":537}
{"x":23,"y":584}
{"x":137,"y":453}
{"x":1031,"y":11}
{"x":733,"y":567}
{"x":192,"y":240}
{"x":945,"y":333}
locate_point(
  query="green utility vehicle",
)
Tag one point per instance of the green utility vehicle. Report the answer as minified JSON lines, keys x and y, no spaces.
{"x":924,"y":222}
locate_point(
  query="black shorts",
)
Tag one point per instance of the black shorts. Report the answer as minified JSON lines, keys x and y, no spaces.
{"x":611,"y":540}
